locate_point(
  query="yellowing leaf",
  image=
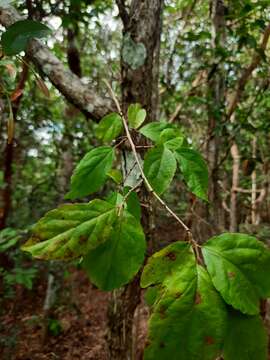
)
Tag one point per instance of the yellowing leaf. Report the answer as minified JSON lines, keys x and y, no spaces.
{"x":71,"y":230}
{"x":189,"y":318}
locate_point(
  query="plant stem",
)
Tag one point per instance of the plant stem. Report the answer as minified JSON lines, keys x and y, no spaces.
{"x":148,"y":185}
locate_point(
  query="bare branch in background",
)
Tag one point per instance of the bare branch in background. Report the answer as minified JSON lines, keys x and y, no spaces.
{"x":123,"y":11}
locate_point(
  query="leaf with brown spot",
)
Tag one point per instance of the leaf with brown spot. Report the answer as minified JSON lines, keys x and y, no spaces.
{"x":185,"y":324}
{"x":209,"y":340}
{"x":198,"y":299}
{"x":238,"y":264}
{"x":171,"y":256}
{"x":72,"y":230}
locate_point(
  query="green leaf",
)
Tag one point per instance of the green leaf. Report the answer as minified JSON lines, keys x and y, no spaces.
{"x":115,"y":175}
{"x":71,"y":230}
{"x":169,"y":134}
{"x":166,"y":262}
{"x":246,"y":338}
{"x":238,"y":264}
{"x":16,"y":37}
{"x":172,"y":138}
{"x":9,"y":237}
{"x":194,"y":170}
{"x":175,"y":143}
{"x":91,"y":173}
{"x":110,"y":127}
{"x":136,"y":116}
{"x":189,"y":318}
{"x":115,"y":198}
{"x":151,"y":295}
{"x":159,"y":168}
{"x":133,"y":203}
{"x":115,"y":262}
{"x":154,"y":129}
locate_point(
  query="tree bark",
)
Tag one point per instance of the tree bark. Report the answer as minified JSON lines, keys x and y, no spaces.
{"x":9,"y":155}
{"x":254,"y":185}
{"x":141,"y":31}
{"x":215,"y":114}
{"x":235,"y":185}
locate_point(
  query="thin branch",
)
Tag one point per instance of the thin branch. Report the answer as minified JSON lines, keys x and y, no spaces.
{"x":257,"y":57}
{"x":123,"y":11}
{"x":132,"y":189}
{"x":246,"y":191}
{"x":133,"y":147}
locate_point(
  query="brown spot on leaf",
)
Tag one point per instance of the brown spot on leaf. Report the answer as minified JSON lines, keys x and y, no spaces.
{"x":209,"y":340}
{"x":162,"y":312}
{"x":171,"y":255}
{"x":231,"y":274}
{"x":147,"y":343}
{"x":162,"y":345}
{"x":198,"y":299}
{"x":83,"y":239}
{"x":178,"y":295}
{"x":68,"y":253}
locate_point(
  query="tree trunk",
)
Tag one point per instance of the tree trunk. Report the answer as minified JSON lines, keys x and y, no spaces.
{"x":9,"y":155}
{"x":254,"y":185}
{"x":215,"y":113}
{"x":235,"y":185}
{"x":6,"y":193}
{"x":140,"y":75}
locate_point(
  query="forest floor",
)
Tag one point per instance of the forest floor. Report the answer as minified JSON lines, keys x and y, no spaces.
{"x":78,"y":331}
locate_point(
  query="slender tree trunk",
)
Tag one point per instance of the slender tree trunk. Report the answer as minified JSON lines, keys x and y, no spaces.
{"x":140,"y":74}
{"x":6,"y":193}
{"x":215,"y":113}
{"x":254,"y":185}
{"x":9,"y":156}
{"x":235,"y":185}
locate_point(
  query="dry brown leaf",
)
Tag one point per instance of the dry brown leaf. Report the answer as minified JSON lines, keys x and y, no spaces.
{"x":16,"y":93}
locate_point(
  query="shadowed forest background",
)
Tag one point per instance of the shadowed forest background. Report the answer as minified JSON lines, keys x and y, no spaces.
{"x":200,"y":64}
